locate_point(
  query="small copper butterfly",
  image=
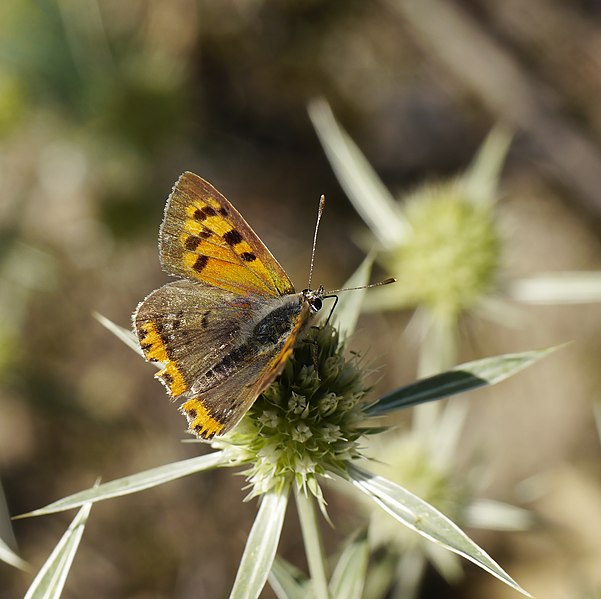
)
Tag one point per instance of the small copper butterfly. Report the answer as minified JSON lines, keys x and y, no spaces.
{"x":225,"y":331}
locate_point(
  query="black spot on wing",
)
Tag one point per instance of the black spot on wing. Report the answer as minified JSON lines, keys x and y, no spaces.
{"x":177,"y":321}
{"x":201,"y":214}
{"x":200,"y":263}
{"x":248,"y":257}
{"x":166,"y":378}
{"x":232,"y":237}
{"x":192,"y":242}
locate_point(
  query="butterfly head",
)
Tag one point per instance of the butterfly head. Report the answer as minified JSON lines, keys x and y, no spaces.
{"x":314,"y":298}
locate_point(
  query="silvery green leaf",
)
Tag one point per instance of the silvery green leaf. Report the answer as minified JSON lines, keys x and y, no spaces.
{"x":438,"y":348}
{"x":387,"y":299}
{"x":426,"y":520}
{"x":481,"y":180}
{"x":134,"y":483}
{"x":307,"y":516}
{"x":261,"y":546}
{"x":7,"y":539}
{"x":349,"y":575}
{"x":287,"y":581}
{"x":464,"y":377}
{"x":380,"y":576}
{"x":49,"y":582}
{"x":557,"y":288}
{"x":8,"y":556}
{"x":120,"y":332}
{"x":496,"y":515}
{"x":362,"y":185}
{"x":501,"y":310}
{"x":349,"y":303}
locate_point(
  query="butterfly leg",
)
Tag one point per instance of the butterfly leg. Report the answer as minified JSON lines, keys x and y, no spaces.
{"x":331,"y":309}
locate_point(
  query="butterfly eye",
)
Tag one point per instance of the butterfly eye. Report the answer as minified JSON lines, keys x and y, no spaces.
{"x":316,"y":304}
{"x":313,"y":298}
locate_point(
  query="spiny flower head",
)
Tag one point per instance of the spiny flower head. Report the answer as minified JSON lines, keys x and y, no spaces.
{"x":306,"y":423}
{"x":450,"y":255}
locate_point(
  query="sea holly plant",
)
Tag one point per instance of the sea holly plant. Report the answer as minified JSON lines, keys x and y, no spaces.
{"x":444,"y":243}
{"x":442,"y":240}
{"x":7,"y":554}
{"x":308,"y":427}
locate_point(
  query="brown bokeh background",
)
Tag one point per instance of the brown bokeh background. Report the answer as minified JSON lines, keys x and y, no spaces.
{"x":103,"y":104}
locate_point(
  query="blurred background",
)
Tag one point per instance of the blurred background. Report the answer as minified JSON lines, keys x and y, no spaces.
{"x":104,"y":103}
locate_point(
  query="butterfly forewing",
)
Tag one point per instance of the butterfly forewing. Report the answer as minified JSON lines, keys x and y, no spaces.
{"x":203,"y":237}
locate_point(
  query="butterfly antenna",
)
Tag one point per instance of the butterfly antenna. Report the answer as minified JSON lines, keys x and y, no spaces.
{"x":384,"y":282}
{"x":322,"y":203}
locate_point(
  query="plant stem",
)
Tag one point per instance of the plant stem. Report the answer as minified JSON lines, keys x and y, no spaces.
{"x":437,"y":354}
{"x":307,"y":515}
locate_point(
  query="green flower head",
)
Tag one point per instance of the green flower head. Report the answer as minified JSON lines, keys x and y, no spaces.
{"x":450,"y":255}
{"x":305,"y":424}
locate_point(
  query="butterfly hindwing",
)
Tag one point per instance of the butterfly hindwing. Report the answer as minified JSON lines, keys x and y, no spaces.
{"x":189,"y":326}
{"x":206,"y":340}
{"x":219,"y":409}
{"x":203,"y":237}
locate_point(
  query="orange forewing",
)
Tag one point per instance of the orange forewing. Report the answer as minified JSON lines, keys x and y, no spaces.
{"x":203,"y":237}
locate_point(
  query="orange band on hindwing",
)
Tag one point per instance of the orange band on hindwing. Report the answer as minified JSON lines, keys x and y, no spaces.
{"x":155,"y":350}
{"x":200,"y":421}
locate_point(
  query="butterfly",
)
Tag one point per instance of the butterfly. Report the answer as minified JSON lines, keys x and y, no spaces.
{"x":224,"y":331}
